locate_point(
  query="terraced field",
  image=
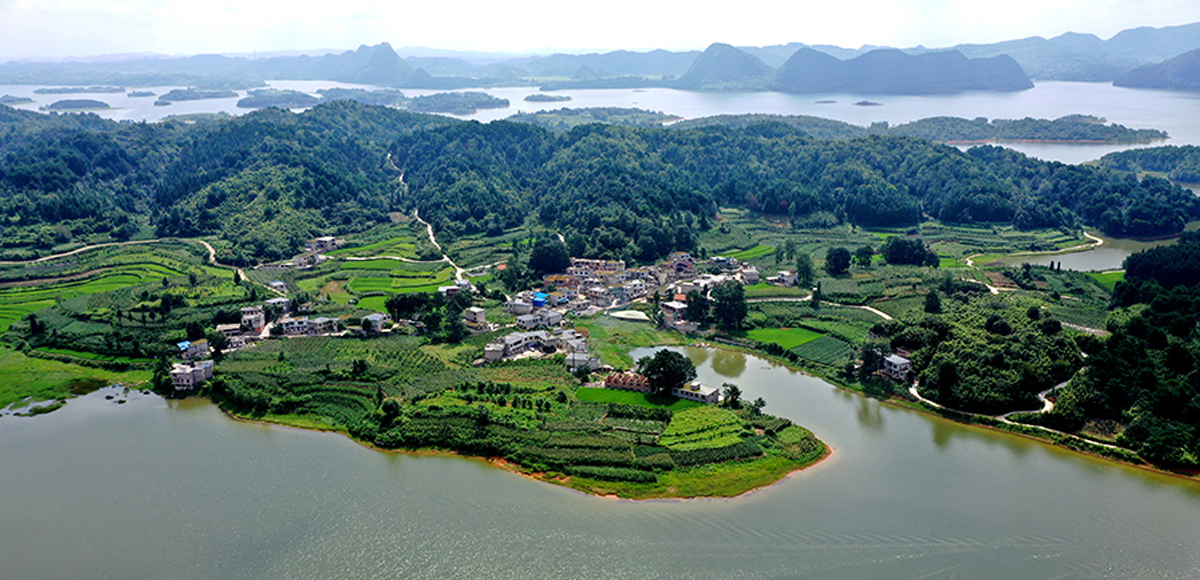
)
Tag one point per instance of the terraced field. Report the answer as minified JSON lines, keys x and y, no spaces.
{"x":704,"y":427}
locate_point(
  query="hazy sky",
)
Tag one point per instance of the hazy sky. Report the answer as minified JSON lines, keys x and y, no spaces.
{"x":60,"y":28}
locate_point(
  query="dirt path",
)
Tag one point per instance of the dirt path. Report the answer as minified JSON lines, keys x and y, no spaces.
{"x":1096,"y":243}
{"x":875,"y":311}
{"x":458,"y":272}
{"x":1047,"y":406}
{"x":81,"y":250}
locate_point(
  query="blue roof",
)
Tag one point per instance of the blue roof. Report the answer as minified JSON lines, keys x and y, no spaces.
{"x":184,"y":345}
{"x":541,"y":295}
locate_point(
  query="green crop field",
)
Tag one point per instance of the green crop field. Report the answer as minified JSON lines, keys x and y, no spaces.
{"x":1107,"y":279}
{"x":755,"y":252}
{"x":593,"y":395}
{"x":788,"y":338}
{"x":826,"y":350}
{"x":703,"y":427}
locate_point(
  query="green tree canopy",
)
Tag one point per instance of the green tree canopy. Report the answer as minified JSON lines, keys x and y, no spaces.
{"x":837,"y":261}
{"x":666,"y":370}
{"x":729,"y":305}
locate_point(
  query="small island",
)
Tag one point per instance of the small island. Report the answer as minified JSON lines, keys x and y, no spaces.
{"x":383,"y":97}
{"x":544,"y":98}
{"x":283,"y":99}
{"x":193,"y":95}
{"x":565,"y":119}
{"x":77,"y":90}
{"x":76,"y":105}
{"x":868,"y":104}
{"x":141,"y":94}
{"x":13,"y":101}
{"x":466,"y":103}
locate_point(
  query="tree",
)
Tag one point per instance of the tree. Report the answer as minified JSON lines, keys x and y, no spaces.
{"x":933,"y":304}
{"x":758,"y":405}
{"x":697,"y":307}
{"x":863,"y":256}
{"x":548,"y":257}
{"x":729,"y":305}
{"x":582,"y":373}
{"x":837,"y":261}
{"x":805,"y":272}
{"x":666,"y":370}
{"x":732,"y":396}
{"x":815,"y":303}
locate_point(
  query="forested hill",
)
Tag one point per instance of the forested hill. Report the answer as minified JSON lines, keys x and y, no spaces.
{"x":896,"y":73}
{"x":266,"y":181}
{"x":620,"y":192}
{"x":1179,"y":73}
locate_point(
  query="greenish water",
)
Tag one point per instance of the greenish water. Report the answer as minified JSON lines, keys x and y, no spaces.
{"x":158,"y":489}
{"x":1109,"y":256}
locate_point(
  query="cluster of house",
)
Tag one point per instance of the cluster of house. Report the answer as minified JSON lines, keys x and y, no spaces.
{"x":692,"y":391}
{"x":591,"y":283}
{"x":568,"y":341}
{"x":312,"y":254}
{"x":185,"y":376}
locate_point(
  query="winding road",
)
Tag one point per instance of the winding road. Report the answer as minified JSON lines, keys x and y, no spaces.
{"x":875,"y":311}
{"x":1047,"y":406}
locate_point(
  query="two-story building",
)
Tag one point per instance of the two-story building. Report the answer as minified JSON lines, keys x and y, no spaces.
{"x":187,"y":377}
{"x":896,"y":366}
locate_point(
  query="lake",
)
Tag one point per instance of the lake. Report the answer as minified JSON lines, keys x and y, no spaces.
{"x":1108,"y":256}
{"x":1173,"y":112}
{"x":175,"y":489}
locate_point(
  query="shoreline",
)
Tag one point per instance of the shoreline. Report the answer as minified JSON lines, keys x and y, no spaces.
{"x":506,"y":465}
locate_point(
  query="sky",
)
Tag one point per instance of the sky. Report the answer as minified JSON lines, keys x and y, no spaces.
{"x":53,"y":29}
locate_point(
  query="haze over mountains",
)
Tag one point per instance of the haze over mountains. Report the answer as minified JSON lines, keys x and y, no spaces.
{"x":794,"y":67}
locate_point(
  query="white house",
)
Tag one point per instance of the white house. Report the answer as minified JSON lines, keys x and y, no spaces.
{"x":749,"y":275}
{"x":187,"y":377}
{"x":673,"y":309}
{"x":529,"y":321}
{"x":323,"y":325}
{"x":577,"y":360}
{"x":695,"y":391}
{"x":293,"y":325}
{"x":896,"y":366}
{"x":278,"y":286}
{"x":281,"y":304}
{"x":519,"y":307}
{"x":190,"y":349}
{"x":550,"y":317}
{"x":374,"y":322}
{"x":253,"y":318}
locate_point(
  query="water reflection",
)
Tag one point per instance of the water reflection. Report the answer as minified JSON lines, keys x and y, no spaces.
{"x":868,"y":413}
{"x":727,"y":363}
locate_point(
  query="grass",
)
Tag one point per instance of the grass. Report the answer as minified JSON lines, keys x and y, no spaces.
{"x":613,"y":339}
{"x":1107,"y":279}
{"x":755,"y":252}
{"x":788,"y":338}
{"x":764,"y":290}
{"x":35,"y":379}
{"x":593,"y":395}
{"x":95,"y":357}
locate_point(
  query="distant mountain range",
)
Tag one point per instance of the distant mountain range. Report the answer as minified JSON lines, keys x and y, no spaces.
{"x":795,"y":67}
{"x":1179,"y":73}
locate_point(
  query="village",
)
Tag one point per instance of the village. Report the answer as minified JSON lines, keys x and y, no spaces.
{"x":541,"y":317}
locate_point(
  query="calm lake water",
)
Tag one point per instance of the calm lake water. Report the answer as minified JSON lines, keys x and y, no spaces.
{"x":1174,"y":112}
{"x":158,"y":489}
